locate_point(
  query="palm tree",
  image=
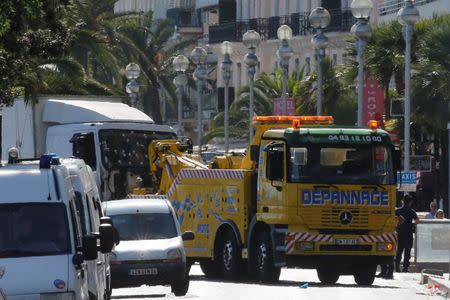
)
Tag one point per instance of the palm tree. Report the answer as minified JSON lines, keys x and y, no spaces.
{"x":266,"y":88}
{"x":152,"y":46}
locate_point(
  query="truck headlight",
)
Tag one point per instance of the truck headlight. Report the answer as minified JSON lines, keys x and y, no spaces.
{"x":174,"y":255}
{"x":306,"y":246}
{"x":58,"y":296}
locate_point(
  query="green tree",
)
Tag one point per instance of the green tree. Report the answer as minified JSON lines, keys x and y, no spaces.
{"x":31,"y":32}
{"x":152,"y":46}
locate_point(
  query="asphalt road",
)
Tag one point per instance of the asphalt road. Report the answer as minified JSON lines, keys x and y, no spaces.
{"x":404,"y":286}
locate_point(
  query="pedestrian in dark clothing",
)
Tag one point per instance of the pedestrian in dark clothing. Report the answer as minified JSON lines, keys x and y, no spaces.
{"x":405,"y":230}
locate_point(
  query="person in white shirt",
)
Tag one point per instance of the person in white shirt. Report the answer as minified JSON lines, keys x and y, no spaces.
{"x":433,"y":210}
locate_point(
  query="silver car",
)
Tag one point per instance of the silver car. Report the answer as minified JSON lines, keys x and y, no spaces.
{"x":150,"y":247}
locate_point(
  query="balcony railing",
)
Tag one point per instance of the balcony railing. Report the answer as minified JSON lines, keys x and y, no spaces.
{"x":184,"y":17}
{"x":341,"y":21}
{"x":393,"y":6}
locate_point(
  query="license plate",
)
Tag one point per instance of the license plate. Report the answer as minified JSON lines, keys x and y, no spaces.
{"x":346,"y":242}
{"x":141,"y":272}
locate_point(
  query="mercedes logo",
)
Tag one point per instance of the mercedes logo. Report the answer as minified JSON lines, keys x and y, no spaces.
{"x":345,"y":217}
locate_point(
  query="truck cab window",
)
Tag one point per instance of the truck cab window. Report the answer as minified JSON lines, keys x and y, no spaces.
{"x":84,"y":148}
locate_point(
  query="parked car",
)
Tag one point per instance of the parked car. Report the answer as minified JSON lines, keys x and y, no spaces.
{"x":87,"y":200}
{"x":151,"y":249}
{"x":44,"y":253}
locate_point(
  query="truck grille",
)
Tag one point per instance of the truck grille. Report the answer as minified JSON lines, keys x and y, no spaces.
{"x":329,"y":218}
{"x":345,"y":247}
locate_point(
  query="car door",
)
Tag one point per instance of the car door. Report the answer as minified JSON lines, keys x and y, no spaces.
{"x":79,"y":278}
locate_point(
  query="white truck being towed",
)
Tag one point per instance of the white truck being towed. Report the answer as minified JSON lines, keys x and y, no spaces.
{"x":110,"y":136}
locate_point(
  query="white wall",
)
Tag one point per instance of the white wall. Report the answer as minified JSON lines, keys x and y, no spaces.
{"x":17,"y":129}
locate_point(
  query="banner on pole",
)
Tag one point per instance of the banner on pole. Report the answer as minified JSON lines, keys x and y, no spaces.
{"x":373,"y":104}
{"x":278,"y":107}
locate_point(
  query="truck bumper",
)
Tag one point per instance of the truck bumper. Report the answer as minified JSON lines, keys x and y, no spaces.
{"x":342,"y":262}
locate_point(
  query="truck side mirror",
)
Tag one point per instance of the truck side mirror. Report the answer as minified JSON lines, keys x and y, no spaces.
{"x":108,"y":220}
{"x":275,"y":164}
{"x":106,"y":238}
{"x":254,"y":153}
{"x":90,"y":247}
{"x":188,"y":236}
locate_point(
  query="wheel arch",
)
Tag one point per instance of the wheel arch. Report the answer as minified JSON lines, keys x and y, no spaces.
{"x":223,"y":227}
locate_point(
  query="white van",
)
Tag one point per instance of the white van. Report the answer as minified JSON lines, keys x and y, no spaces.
{"x":43,"y":251}
{"x":91,"y":215}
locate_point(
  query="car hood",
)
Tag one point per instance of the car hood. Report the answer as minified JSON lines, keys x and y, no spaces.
{"x":146,"y":249}
{"x":33,"y":275}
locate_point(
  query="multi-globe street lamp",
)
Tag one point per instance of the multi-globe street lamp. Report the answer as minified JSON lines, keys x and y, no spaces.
{"x":198,"y":57}
{"x":227,"y":50}
{"x":251,"y":39}
{"x":284,"y":53}
{"x":180,"y":64}
{"x":132,"y":72}
{"x":361,"y":10}
{"x":319,"y":19}
{"x":408,"y":15}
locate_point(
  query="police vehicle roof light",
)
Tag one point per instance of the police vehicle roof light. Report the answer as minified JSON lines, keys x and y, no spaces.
{"x":47,"y":160}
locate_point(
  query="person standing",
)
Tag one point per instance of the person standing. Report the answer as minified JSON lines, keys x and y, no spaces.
{"x":433,"y":210}
{"x":405,"y":230}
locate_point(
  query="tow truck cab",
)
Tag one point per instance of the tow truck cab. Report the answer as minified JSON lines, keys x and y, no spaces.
{"x":43,"y":250}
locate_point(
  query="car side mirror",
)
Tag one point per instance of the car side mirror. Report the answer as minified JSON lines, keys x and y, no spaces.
{"x":108,"y":220}
{"x":90,"y":247}
{"x":106,"y":238}
{"x":188,"y":236}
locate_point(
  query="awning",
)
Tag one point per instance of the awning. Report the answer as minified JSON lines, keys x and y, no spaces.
{"x":206,"y":3}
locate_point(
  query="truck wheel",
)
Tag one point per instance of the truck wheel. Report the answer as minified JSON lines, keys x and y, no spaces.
{"x":264,"y":269}
{"x":209,"y":268}
{"x":229,"y":256}
{"x":180,"y":288}
{"x":327,"y":276}
{"x":365,"y":276}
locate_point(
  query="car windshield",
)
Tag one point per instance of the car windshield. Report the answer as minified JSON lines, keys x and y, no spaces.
{"x":352,"y":164}
{"x":146,"y":226}
{"x":33,"y":229}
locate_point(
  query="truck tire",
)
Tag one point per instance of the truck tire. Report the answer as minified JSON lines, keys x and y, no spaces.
{"x":327,"y":276}
{"x":264,"y":269}
{"x":181,"y":287}
{"x":209,"y":268}
{"x":365,"y":276}
{"x":229,"y":259}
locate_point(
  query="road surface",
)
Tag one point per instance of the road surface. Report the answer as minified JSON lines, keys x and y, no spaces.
{"x":404,"y":286}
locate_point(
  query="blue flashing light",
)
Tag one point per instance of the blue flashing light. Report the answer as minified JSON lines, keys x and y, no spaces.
{"x":48,"y":160}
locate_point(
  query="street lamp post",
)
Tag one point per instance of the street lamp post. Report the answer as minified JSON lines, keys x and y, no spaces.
{"x":180,"y":64}
{"x":251,"y":40}
{"x":284,"y":53}
{"x":408,"y":15}
{"x":132,"y":72}
{"x":319,"y":19}
{"x":361,"y":10}
{"x":198,"y":57}
{"x":227,"y":50}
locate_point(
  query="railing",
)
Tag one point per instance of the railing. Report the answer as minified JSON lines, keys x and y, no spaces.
{"x":341,"y":21}
{"x":184,"y":17}
{"x":393,"y":6}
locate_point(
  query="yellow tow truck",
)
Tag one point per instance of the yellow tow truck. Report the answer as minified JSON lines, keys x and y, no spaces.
{"x":307,"y":193}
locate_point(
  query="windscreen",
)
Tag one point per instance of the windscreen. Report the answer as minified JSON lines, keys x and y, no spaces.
{"x":33,"y":229}
{"x":346,"y":164}
{"x":145,"y":226}
{"x":128,"y":148}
